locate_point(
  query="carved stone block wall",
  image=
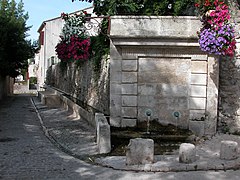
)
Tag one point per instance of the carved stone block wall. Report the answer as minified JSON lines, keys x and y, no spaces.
{"x":229,"y":85}
{"x":167,"y":74}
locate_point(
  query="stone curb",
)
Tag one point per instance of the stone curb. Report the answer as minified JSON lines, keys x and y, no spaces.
{"x":163,"y":163}
{"x":172,"y":165}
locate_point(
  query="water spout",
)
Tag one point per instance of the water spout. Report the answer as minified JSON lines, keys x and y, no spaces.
{"x":148,"y":124}
{"x":148,"y":113}
{"x":176,"y":115}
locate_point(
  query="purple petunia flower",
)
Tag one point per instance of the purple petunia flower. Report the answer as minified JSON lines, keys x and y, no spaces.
{"x":217,"y":41}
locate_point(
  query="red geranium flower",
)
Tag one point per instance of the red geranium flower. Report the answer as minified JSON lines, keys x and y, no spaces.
{"x":207,"y":3}
{"x":197,"y":5}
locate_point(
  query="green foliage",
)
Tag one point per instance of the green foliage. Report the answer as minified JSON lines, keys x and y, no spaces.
{"x":73,"y":25}
{"x":74,"y":44}
{"x":15,"y":50}
{"x":185,"y":7}
{"x":33,"y":80}
{"x":115,"y":7}
{"x":63,"y":66}
{"x":143,"y":7}
{"x":100,"y":48}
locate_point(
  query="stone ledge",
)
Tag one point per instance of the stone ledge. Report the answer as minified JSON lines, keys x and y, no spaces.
{"x":159,"y":41}
{"x":145,"y":26}
{"x":169,"y":163}
{"x":49,"y":98}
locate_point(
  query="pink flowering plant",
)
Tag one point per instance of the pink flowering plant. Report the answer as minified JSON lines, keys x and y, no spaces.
{"x":217,"y":34}
{"x":75,"y":49}
{"x":74,"y":44}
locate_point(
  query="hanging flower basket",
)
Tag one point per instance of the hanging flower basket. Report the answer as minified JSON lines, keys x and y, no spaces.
{"x":74,"y":44}
{"x":217,"y":34}
{"x":76,"y":49}
{"x":219,"y":42}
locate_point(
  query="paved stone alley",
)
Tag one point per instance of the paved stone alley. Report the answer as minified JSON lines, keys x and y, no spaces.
{"x":26,"y":153}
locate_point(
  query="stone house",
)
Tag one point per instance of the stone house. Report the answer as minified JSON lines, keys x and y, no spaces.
{"x":32,"y":68}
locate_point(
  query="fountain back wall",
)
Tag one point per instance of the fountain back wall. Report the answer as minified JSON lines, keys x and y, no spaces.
{"x":156,"y":64}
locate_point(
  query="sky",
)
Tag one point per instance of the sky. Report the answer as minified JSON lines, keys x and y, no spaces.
{"x":41,"y":10}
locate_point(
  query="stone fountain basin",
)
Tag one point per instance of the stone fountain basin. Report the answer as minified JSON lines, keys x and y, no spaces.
{"x":126,"y":134}
{"x":166,"y":138}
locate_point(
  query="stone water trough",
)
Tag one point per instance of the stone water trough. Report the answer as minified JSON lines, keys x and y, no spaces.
{"x":156,"y":66}
{"x":115,"y":140}
{"x":166,"y":138}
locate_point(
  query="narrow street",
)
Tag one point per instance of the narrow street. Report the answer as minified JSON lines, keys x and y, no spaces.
{"x":26,"y":153}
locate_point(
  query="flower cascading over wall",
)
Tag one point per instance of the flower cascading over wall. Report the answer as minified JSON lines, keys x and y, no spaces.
{"x":217,"y":34}
{"x":74,"y":44}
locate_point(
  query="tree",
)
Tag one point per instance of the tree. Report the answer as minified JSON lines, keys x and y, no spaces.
{"x":15,"y":49}
{"x":143,"y":7}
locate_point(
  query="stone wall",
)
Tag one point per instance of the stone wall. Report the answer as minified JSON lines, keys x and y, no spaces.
{"x":229,"y":86}
{"x":6,"y":86}
{"x":2,"y":82}
{"x":161,"y":69}
{"x":83,"y":83}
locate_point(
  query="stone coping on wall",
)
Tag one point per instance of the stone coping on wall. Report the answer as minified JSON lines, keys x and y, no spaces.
{"x":155,"y":27}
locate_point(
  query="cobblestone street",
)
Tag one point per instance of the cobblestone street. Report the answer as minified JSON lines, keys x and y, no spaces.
{"x":26,"y":153}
